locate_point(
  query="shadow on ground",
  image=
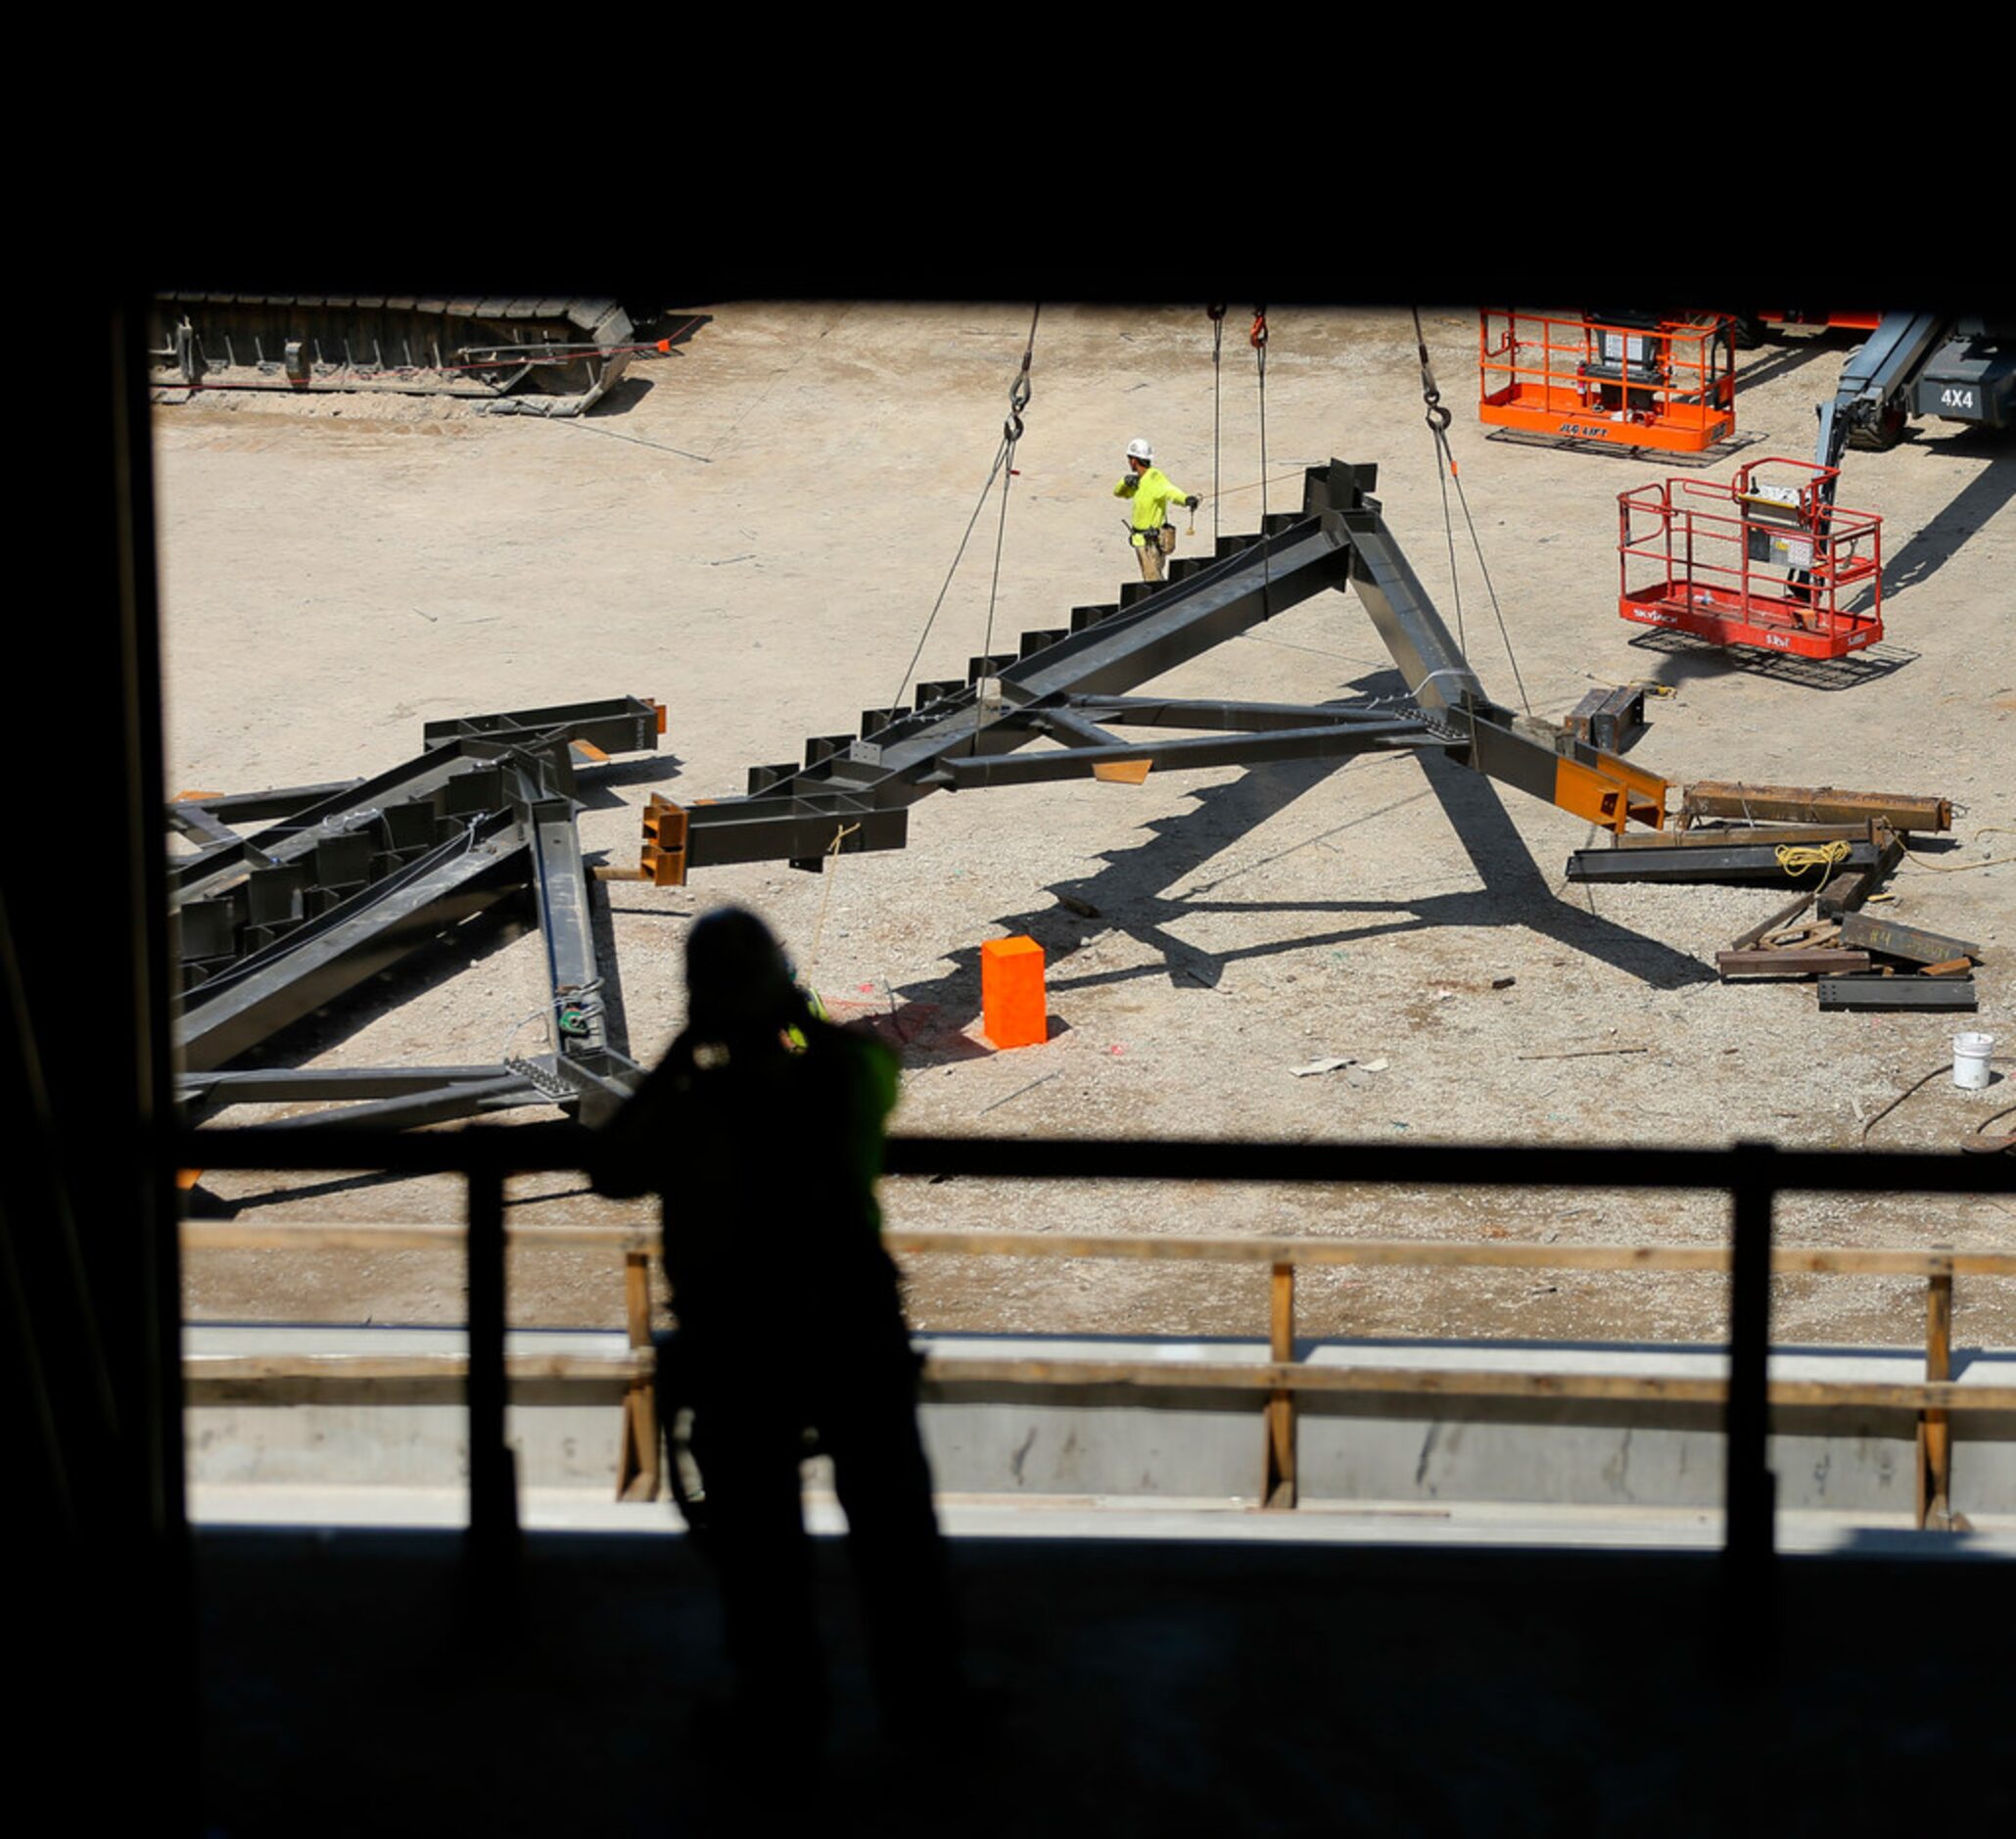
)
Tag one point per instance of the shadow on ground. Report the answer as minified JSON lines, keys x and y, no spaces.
{"x":1687,"y":659}
{"x":1147,"y":891}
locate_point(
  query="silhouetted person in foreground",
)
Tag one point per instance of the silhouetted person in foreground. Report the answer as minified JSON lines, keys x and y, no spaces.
{"x":762,"y":1125}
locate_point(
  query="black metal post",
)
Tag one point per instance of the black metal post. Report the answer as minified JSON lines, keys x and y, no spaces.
{"x":1750,"y":1490}
{"x":492,"y":1539}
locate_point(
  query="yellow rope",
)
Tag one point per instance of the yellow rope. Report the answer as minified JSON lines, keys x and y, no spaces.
{"x":1797,"y":858}
{"x":1955,"y":868}
{"x":826,"y":893}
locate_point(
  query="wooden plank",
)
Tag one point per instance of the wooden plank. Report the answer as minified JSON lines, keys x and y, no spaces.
{"x":1783,"y":916}
{"x":262,"y":1368}
{"x":1790,"y":962}
{"x":1898,"y":1261}
{"x":637,"y":1297}
{"x":636,"y":1460}
{"x":1810,"y":937}
{"x":1895,"y":940}
{"x":232,"y":1234}
{"x":1887,"y":1261}
{"x":255,"y":1371}
{"x":1281,"y":1328}
{"x":1278,"y":1490}
{"x":1936,"y":1427}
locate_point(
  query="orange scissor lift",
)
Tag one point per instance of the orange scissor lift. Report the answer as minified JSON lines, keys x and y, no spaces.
{"x":1665,"y":383}
{"x":1758,"y":561}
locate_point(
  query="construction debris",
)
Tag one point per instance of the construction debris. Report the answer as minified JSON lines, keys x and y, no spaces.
{"x":1837,"y":846}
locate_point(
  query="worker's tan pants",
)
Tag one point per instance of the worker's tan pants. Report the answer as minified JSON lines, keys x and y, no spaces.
{"x":1154,"y":565}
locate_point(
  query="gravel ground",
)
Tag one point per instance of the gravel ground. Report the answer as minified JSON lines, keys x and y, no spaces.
{"x":754,"y":531}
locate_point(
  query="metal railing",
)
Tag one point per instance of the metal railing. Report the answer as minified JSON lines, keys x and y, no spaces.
{"x":1281,"y":1375}
{"x":1751,"y":1174}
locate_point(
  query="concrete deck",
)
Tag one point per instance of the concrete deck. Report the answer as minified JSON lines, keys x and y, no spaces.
{"x":1219,"y":1682}
{"x":1318,"y":1523}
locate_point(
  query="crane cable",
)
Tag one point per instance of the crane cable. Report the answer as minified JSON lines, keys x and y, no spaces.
{"x":1217,"y":313}
{"x":1004,"y":456}
{"x":1438,"y":417}
{"x":1010,"y":433}
{"x":1257,"y":338}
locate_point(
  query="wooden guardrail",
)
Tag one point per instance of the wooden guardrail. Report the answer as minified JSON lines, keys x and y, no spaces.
{"x":1281,"y":1375}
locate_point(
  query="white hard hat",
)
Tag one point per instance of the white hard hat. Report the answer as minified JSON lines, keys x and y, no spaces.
{"x":1140,"y":450}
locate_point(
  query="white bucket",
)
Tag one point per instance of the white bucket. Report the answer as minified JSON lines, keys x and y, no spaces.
{"x":1970,"y":1060}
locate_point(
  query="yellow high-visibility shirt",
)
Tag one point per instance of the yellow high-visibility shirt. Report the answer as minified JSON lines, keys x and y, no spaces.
{"x":1152,"y":493}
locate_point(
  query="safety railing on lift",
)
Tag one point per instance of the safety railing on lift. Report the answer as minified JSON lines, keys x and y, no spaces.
{"x":1765,"y":559}
{"x":1666,"y":384}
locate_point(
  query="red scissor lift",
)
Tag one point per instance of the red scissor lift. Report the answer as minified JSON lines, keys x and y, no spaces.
{"x":1660,"y":383}
{"x":1761,"y":560}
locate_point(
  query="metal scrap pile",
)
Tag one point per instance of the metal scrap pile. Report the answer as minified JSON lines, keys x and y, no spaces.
{"x":1838,"y":847}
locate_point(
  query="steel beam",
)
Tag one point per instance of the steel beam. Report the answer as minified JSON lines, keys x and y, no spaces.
{"x":573,"y":975}
{"x":1858,"y":931}
{"x":851,"y":794}
{"x":288,"y":1085}
{"x":1256,"y":718}
{"x":1906,"y":992}
{"x":612,"y":725}
{"x":1812,"y":804}
{"x":856,"y":799}
{"x":1438,"y":677}
{"x":282,"y":801}
{"x":442,"y":1104}
{"x":452,"y":776}
{"x":351,"y":942}
{"x":1735,"y":863}
{"x":1333,"y":742}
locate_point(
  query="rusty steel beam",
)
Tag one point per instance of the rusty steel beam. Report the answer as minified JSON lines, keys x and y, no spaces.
{"x":1860,"y":932}
{"x":1812,"y":804}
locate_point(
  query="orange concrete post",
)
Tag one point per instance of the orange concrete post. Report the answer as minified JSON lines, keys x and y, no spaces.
{"x":1013,"y":1010}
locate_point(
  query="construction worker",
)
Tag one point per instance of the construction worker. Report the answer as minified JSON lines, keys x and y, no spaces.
{"x":1150,"y":530}
{"x":764,"y":1127}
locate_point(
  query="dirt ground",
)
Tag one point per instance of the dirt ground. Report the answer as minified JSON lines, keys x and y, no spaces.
{"x":754,"y":530}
